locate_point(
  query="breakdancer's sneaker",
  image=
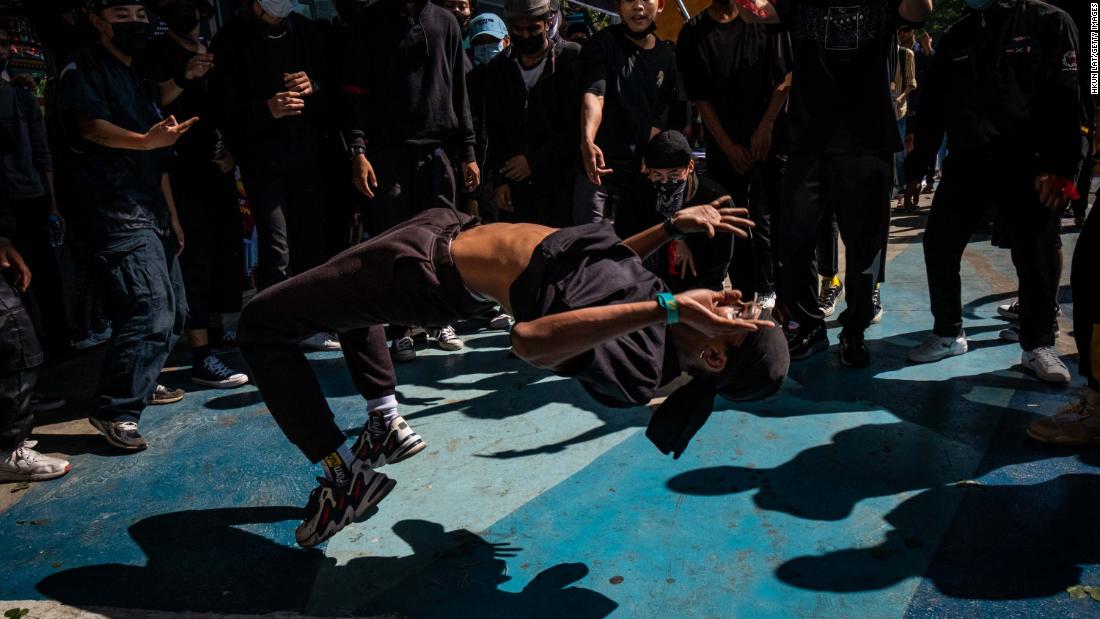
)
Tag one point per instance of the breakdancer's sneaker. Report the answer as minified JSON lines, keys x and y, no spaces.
{"x":332,"y":507}
{"x":383,"y":443}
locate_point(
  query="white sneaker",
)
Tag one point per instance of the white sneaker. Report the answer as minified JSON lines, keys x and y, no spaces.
{"x":1045,"y":363}
{"x":321,"y":341}
{"x":447,"y":339}
{"x":935,"y":348}
{"x":403,"y":349}
{"x":26,"y":464}
{"x":1010,"y":311}
{"x":502,"y":322}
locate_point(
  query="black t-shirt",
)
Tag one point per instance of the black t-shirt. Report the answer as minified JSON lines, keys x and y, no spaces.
{"x":124,"y":185}
{"x":165,"y":60}
{"x":840,"y":95}
{"x":637,"y":86}
{"x":588,"y":266}
{"x":736,"y":66}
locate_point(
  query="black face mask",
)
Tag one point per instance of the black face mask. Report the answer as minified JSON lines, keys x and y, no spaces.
{"x":131,"y":37}
{"x":670,"y":196}
{"x":529,"y":45}
{"x":638,"y":36}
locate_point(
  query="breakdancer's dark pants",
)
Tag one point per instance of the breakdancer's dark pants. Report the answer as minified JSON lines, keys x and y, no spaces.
{"x":403,"y":276}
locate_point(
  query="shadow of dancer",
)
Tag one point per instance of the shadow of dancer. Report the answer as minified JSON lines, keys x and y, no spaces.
{"x":209,"y":561}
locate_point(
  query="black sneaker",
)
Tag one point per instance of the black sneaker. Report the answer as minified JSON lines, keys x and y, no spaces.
{"x":211,"y":372}
{"x":853,"y":350}
{"x":381,"y":443}
{"x":331,"y":507}
{"x":121,"y":434}
{"x":828,"y":297}
{"x":876,"y":300}
{"x":808,"y":341}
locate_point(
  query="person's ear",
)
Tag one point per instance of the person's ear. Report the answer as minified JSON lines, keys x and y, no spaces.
{"x":714,"y":356}
{"x":691,"y":167}
{"x":660,"y":6}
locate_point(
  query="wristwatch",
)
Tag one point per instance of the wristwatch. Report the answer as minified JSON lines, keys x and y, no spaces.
{"x":672,"y":230}
{"x":356,"y":150}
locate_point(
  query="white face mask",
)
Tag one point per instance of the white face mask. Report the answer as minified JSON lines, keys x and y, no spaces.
{"x":277,"y":8}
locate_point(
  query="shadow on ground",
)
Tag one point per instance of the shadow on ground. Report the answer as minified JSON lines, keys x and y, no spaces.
{"x":207,"y":561}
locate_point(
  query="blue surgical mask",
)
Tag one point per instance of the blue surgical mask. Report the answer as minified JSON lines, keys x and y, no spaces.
{"x":980,"y":5}
{"x":484,"y":52}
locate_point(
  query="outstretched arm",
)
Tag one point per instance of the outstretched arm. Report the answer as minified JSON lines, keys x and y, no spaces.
{"x":709,"y":218}
{"x":552,"y":341}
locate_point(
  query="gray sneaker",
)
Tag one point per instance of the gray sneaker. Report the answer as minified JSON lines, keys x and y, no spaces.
{"x":166,"y":395}
{"x":25,"y":464}
{"x":121,"y":434}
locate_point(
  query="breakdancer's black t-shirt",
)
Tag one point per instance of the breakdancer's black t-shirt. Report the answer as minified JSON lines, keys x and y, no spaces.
{"x":588,"y":266}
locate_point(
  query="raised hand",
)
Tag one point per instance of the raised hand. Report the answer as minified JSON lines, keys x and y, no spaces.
{"x":167,"y":132}
{"x":714,"y":218}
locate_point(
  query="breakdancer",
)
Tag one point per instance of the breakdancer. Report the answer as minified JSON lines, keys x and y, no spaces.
{"x":585,"y":307}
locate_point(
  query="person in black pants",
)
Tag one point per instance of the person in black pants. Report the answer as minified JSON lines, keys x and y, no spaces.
{"x":20,"y":357}
{"x":203,"y":185}
{"x":410,"y":114}
{"x":628,"y":79}
{"x":273,"y":83}
{"x":844,"y":133}
{"x":121,"y":150}
{"x":737,"y":74}
{"x":1019,"y":122}
{"x":585,"y":308}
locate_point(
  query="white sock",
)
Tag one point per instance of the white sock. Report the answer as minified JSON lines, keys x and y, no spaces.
{"x":386,"y":405}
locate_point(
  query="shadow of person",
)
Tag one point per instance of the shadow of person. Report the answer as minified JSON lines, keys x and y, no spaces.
{"x":213,"y":561}
{"x":1005,"y":543}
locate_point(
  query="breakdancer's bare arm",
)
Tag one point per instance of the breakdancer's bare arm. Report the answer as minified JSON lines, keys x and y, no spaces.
{"x":552,"y":341}
{"x":708,"y":218}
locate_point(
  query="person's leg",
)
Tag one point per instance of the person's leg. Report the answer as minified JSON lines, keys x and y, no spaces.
{"x":860,"y":193}
{"x":20,"y":356}
{"x":141,"y":283}
{"x":956,"y":210}
{"x":828,"y":247}
{"x":764,"y":196}
{"x":1034,"y":237}
{"x":268,"y":196}
{"x":742,"y":267}
{"x":802,"y":205}
{"x":305,"y":218}
{"x":589,"y":200}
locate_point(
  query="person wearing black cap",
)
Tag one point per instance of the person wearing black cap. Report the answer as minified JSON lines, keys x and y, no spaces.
{"x":121,"y":155}
{"x":695,"y":261}
{"x":628,"y":80}
{"x":585,"y":308}
{"x":532,"y":119}
{"x":736,"y":73}
{"x":203,"y":184}
{"x":844,"y":135}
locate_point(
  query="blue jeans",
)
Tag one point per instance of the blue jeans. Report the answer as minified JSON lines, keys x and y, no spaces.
{"x":145,"y":301}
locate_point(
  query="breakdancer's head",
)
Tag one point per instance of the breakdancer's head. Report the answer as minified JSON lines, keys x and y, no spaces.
{"x":742,"y":367}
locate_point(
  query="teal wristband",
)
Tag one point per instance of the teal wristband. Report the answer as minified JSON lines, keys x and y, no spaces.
{"x":671,"y":307}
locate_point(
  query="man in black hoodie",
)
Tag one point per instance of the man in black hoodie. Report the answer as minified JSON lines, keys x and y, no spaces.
{"x":532,"y":118}
{"x":410,"y":113}
{"x":1004,"y":88}
{"x":274,"y":98}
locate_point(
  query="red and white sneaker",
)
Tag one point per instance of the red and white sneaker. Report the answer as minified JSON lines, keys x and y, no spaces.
{"x":384,"y":443}
{"x":332,"y":507}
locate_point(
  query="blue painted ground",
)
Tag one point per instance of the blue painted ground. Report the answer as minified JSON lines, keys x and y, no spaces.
{"x":895,"y":491}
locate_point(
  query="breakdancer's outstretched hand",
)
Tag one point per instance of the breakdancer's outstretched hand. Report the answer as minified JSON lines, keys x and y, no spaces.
{"x":717,"y":313}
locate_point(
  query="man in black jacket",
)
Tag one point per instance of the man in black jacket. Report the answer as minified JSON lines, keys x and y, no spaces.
{"x":410,"y":113}
{"x":270,"y":82}
{"x":1004,"y":88}
{"x":532,"y":117}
